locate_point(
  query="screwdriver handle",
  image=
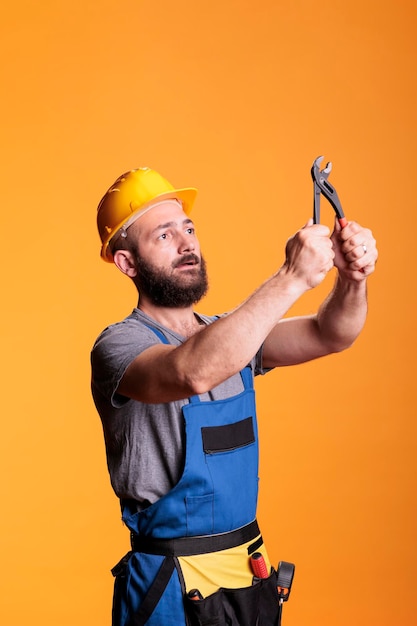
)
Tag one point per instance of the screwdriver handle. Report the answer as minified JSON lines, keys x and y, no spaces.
{"x":258,"y":565}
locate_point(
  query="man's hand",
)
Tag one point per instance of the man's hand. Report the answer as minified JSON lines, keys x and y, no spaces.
{"x":310,"y":254}
{"x":355,"y":251}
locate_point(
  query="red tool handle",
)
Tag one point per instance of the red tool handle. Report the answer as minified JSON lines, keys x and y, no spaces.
{"x":258,"y":565}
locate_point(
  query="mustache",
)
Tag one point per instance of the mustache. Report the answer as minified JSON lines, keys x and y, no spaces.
{"x":187,"y":258}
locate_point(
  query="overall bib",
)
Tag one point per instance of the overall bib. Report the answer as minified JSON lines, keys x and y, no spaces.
{"x":209,"y":513}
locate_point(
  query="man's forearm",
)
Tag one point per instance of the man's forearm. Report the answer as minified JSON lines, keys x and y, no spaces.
{"x":342,"y":315}
{"x":229,"y":344}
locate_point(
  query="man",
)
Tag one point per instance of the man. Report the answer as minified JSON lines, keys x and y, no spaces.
{"x":174,"y":389}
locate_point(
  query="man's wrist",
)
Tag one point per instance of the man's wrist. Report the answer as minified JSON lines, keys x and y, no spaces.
{"x":346,"y":281}
{"x":289,"y":283}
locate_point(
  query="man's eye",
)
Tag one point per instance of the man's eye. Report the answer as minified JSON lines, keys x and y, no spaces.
{"x":190,"y":231}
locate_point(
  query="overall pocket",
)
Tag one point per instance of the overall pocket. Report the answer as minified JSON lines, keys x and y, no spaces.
{"x":257,"y":605}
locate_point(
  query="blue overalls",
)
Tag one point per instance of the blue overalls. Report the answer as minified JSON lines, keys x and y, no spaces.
{"x":211,"y":508}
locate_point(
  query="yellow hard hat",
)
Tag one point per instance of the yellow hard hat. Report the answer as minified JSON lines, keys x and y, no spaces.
{"x":131,"y":194}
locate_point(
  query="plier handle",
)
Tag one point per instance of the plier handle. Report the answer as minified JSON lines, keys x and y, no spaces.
{"x":322,"y":186}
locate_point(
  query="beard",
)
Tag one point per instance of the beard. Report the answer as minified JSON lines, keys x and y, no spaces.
{"x":167,"y":290}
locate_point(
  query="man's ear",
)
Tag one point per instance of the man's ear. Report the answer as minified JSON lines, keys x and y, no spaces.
{"x":125,"y":261}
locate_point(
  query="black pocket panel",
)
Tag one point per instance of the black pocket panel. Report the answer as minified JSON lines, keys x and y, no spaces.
{"x":228,"y":437}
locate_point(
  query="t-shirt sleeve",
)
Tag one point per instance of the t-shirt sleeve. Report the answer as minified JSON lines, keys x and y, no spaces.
{"x":259,"y":369}
{"x":116,"y":347}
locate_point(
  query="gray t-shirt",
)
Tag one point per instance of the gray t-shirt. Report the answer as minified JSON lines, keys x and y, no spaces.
{"x":144,"y":442}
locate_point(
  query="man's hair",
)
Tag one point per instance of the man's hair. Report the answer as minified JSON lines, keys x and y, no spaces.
{"x":123,"y":243}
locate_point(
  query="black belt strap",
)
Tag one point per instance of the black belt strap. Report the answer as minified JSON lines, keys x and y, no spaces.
{"x":188,"y":546}
{"x":154,"y":594}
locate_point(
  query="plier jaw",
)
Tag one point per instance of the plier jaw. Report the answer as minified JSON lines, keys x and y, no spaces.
{"x":322,"y":186}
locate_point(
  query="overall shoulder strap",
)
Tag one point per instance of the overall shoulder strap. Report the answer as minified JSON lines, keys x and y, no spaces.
{"x":158,"y":333}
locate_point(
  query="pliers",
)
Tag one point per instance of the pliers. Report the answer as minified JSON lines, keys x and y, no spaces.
{"x":322,"y":186}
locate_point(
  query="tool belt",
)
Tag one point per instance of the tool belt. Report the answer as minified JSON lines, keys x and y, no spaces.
{"x":257,"y":604}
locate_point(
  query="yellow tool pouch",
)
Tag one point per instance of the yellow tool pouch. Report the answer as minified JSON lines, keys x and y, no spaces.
{"x":224,"y":568}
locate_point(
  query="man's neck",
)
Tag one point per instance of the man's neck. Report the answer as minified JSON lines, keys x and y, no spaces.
{"x":181,"y":320}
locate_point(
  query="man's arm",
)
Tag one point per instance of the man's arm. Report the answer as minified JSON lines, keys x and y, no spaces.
{"x":164,"y":373}
{"x":341,"y":317}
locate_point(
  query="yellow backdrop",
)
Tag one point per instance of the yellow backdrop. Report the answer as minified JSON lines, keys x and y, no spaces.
{"x":236,"y":98}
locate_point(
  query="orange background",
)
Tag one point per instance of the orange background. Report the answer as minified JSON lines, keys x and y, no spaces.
{"x":236,"y":98}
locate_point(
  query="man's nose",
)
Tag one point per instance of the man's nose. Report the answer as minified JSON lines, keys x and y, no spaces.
{"x":186,"y":243}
